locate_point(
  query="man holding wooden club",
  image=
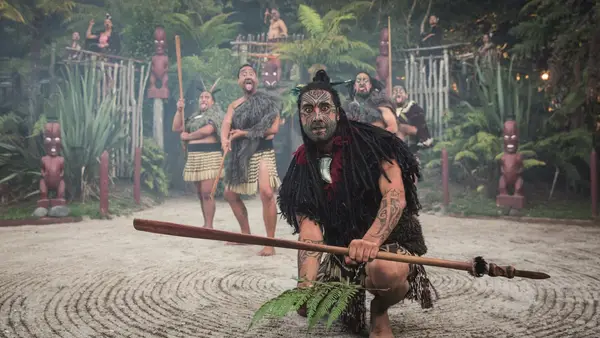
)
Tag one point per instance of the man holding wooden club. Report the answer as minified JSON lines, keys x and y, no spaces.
{"x":249,"y":127}
{"x":351,"y":184}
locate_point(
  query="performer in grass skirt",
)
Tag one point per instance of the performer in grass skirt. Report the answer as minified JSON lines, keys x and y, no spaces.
{"x":202,"y":136}
{"x":250,"y":124}
{"x":351,"y":184}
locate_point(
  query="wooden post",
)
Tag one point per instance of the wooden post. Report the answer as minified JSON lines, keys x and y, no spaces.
{"x":104,"y":184}
{"x":137,"y":172}
{"x":389,"y":84}
{"x":594,"y":182}
{"x":445,"y":174}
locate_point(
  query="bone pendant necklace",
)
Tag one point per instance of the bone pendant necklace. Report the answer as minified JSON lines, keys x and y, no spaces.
{"x":325,"y":168}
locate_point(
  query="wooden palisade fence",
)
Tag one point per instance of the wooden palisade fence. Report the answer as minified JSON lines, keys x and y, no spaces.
{"x":258,"y":47}
{"x":126,"y":78}
{"x":430,"y":89}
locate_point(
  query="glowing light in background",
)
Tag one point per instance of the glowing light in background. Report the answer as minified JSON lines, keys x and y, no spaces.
{"x":545,"y":76}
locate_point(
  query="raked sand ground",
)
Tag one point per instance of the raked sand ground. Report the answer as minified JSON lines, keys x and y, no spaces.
{"x":104,"y":279}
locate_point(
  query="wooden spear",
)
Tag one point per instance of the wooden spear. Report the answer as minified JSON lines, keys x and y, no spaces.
{"x":179,"y":75}
{"x":477,"y":267}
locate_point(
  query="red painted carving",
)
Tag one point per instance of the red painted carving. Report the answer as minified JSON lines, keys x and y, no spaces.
{"x":511,"y":165}
{"x":271,"y":73}
{"x":160,"y":67}
{"x":104,"y":183}
{"x":53,"y":168}
{"x":445,"y":177}
{"x":137,"y":172}
{"x":382,"y":62}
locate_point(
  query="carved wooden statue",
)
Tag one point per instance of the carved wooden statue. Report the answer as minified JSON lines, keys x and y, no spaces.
{"x":511,"y":167}
{"x":53,"y":168}
{"x":271,"y":73}
{"x":160,"y":67}
{"x":382,"y":62}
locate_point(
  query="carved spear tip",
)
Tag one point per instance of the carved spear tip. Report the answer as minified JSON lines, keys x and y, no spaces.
{"x":481,"y":268}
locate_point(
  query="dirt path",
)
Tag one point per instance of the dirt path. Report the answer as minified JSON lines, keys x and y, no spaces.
{"x":104,"y":279}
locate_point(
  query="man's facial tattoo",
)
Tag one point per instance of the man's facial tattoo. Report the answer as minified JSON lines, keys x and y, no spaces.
{"x":362,"y":85}
{"x":318,"y":114}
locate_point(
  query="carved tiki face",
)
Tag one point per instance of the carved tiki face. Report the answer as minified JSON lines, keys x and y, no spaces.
{"x":270,"y":75}
{"x":511,"y":137}
{"x":384,"y":41}
{"x":52,"y":139}
{"x":160,"y":40}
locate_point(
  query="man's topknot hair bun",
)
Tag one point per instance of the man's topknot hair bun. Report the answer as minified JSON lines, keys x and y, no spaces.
{"x":321,"y":76}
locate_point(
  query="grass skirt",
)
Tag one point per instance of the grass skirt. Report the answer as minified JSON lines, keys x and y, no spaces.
{"x":251,"y":187}
{"x":203,"y":162}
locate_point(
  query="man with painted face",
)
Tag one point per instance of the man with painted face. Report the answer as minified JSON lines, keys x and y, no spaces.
{"x":411,"y":120}
{"x":369,"y":103}
{"x":352,"y":184}
{"x":250,"y":124}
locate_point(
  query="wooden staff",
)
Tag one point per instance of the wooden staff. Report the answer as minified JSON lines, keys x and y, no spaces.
{"x":389,"y":84}
{"x":479,"y":267}
{"x":178,"y":52}
{"x":216,"y":183}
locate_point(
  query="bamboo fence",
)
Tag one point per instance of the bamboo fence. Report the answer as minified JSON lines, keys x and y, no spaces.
{"x":126,"y":78}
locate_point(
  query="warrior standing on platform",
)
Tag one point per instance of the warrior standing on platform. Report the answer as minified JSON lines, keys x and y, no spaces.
{"x":351,"y":184}
{"x":411,"y":120}
{"x":204,"y":155}
{"x":369,"y":103}
{"x":250,"y":125}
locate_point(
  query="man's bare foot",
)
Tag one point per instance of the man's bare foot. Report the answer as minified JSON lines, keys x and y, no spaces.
{"x":207,"y":226}
{"x":267,"y":251}
{"x":380,"y":322}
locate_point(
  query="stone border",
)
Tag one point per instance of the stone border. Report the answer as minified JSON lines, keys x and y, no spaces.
{"x":39,"y":221}
{"x":562,"y":221}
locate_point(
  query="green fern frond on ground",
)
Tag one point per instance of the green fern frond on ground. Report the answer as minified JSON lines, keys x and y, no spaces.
{"x":342,"y":303}
{"x":322,"y":300}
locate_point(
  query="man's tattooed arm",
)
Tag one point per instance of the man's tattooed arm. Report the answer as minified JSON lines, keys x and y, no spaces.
{"x":308,"y":261}
{"x":391,"y":207}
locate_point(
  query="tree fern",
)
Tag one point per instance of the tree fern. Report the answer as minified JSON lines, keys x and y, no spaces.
{"x":326,"y":42}
{"x":322,"y":300}
{"x":311,"y":20}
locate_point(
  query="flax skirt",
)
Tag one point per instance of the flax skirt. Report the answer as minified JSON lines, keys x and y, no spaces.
{"x":203,"y":162}
{"x":264,"y":153}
